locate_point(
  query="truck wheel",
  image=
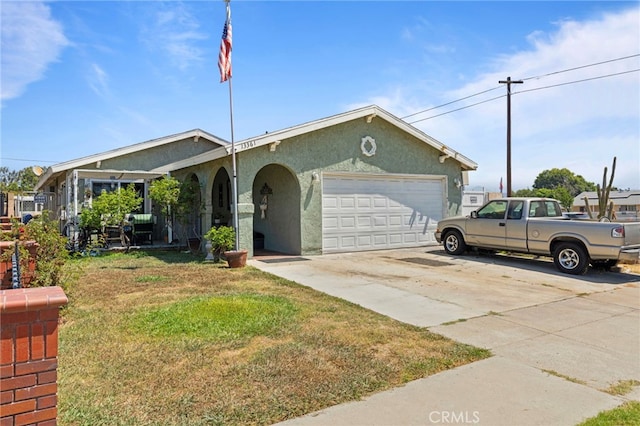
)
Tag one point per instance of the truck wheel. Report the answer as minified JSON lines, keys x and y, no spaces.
{"x":454,"y":243}
{"x":570,"y":258}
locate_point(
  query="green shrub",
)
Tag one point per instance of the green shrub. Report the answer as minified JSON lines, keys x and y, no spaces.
{"x":51,"y":254}
{"x":222,"y":239}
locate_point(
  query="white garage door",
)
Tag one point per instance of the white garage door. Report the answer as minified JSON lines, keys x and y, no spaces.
{"x":371,"y":212}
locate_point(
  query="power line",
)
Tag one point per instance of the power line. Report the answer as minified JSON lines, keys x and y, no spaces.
{"x":580,"y":81}
{"x":524,"y":91}
{"x":583,"y":66}
{"x":452,"y":102}
{"x":498,"y":87}
{"x":25,"y":159}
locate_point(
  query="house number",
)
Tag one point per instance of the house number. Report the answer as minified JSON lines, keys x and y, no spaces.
{"x":247,"y":145}
{"x":368,"y":146}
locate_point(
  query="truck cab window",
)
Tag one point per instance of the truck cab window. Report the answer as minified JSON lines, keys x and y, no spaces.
{"x":515,"y":210}
{"x":493,"y":210}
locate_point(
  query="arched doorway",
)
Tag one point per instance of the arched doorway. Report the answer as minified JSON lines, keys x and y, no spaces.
{"x":276,"y":221}
{"x":221,"y":199}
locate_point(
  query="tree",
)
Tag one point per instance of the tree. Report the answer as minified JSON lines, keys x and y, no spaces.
{"x":112,"y":207}
{"x":563,"y":178}
{"x":559,"y":193}
{"x":17,"y":181}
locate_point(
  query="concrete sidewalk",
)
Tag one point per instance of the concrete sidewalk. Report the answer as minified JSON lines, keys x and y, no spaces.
{"x":558,"y":341}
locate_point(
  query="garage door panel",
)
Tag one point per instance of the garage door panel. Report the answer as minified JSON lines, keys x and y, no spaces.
{"x":376,"y":212}
{"x":329,"y":202}
{"x":330,"y":223}
{"x":364,"y":202}
{"x":347,"y":202}
{"x":396,"y":220}
{"x":348,"y":223}
{"x":380,"y":203}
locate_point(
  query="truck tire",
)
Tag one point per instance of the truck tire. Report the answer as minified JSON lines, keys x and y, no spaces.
{"x":454,"y":243}
{"x":571,"y":258}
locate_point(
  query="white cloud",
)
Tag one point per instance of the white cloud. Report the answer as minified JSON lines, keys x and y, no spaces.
{"x":175,"y":32}
{"x":98,"y":81}
{"x":31,"y":41}
{"x":579,"y":126}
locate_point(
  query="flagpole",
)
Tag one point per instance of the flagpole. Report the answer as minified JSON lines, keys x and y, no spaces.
{"x":234,"y":185}
{"x":224,"y":63}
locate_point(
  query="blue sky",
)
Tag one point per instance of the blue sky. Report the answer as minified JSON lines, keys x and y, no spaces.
{"x":83,"y":77}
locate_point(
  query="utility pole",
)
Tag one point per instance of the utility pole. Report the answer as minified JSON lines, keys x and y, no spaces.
{"x":509,"y":82}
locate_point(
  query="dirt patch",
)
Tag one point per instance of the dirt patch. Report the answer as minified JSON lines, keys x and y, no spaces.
{"x":632,"y":268}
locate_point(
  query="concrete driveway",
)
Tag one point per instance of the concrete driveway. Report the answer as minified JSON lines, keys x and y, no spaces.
{"x":559,"y":341}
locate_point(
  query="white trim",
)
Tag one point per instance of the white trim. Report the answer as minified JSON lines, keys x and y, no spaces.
{"x":281,"y":135}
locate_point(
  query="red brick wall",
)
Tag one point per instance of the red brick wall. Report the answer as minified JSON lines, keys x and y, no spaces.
{"x":29,"y":355}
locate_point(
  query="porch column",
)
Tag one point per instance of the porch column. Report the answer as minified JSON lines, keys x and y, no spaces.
{"x":245,"y":225}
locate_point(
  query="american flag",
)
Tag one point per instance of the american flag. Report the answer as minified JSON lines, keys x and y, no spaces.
{"x":224,"y":57}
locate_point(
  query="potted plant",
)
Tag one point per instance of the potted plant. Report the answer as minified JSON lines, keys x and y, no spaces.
{"x":223,"y":240}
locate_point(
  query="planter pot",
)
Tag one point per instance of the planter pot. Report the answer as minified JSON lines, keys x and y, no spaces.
{"x":236,"y":258}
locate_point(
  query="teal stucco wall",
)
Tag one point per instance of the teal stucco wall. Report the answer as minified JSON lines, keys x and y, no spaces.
{"x":338,"y":149}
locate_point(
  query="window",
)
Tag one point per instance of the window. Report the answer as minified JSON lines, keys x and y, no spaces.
{"x":515,"y":210}
{"x":97,"y":188}
{"x":544,"y":209}
{"x":493,"y":210}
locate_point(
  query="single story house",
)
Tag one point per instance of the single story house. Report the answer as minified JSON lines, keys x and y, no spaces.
{"x":360,"y":180}
{"x":626,"y":203}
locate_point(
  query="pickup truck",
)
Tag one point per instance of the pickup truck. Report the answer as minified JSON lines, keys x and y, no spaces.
{"x":538,"y":226}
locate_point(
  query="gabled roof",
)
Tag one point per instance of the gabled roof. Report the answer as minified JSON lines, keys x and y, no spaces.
{"x":368,"y":113}
{"x":619,"y":198}
{"x":59,"y":168}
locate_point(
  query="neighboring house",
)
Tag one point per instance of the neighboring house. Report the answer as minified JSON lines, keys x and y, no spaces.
{"x":626,"y":204}
{"x":355,"y":181}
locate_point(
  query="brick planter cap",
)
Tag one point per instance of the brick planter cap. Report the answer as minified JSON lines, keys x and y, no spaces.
{"x":31,"y":299}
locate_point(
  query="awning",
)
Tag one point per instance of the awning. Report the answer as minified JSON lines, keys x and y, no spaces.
{"x":117,"y":174}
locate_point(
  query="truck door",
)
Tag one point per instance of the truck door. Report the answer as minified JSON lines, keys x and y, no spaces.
{"x":487,"y":227}
{"x":516,"y":226}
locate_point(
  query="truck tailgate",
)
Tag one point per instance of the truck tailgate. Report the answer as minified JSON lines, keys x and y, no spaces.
{"x":632,"y":234}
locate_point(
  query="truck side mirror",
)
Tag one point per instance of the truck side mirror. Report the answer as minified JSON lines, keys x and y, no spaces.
{"x":474,"y":214}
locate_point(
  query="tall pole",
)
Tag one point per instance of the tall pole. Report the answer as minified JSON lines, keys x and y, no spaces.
{"x":509,"y":82}
{"x":224,"y":63}
{"x":236,"y":222}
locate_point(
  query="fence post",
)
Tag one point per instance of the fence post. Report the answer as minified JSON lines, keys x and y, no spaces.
{"x":29,"y":354}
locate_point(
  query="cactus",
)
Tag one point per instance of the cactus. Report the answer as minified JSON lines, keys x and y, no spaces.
{"x":605,"y":208}
{"x":586,"y":203}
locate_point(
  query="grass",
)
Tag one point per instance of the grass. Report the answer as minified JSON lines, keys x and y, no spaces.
{"x":622,"y":387}
{"x":167,"y":339}
{"x":567,"y":378}
{"x":628,"y":414}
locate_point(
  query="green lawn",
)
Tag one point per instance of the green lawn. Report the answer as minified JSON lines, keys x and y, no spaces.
{"x":164,"y":338}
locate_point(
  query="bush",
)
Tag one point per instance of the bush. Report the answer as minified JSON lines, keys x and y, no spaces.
{"x":52,"y":253}
{"x":222,"y":239}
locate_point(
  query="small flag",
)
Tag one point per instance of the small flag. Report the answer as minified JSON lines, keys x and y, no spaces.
{"x":224,"y":57}
{"x":500,"y":185}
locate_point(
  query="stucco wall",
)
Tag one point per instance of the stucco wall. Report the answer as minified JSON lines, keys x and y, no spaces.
{"x":337,"y":149}
{"x":157,"y":156}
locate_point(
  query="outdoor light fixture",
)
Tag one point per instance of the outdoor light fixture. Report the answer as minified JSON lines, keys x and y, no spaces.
{"x":315,"y":177}
{"x":443,"y":157}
